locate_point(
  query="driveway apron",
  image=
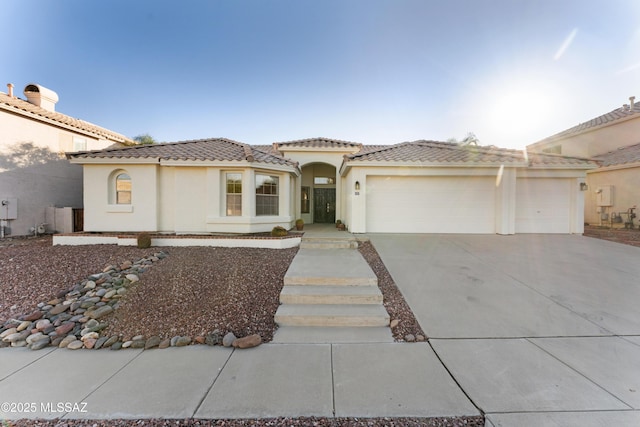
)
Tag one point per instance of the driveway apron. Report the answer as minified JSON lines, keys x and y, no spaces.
{"x":529,"y":325}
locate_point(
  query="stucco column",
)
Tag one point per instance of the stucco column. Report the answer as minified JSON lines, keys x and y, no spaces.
{"x":249,"y":193}
{"x":357,"y":222}
{"x":284,"y":199}
{"x":216,"y":190}
{"x":577,"y":206}
{"x":506,"y":201}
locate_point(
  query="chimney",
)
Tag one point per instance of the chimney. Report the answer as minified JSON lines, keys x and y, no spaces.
{"x":10,"y":90}
{"x":41,"y":96}
{"x":631,"y":102}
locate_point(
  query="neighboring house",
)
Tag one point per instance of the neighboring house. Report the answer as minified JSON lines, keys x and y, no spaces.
{"x":613,"y":140}
{"x":35,"y":177}
{"x":220,"y":185}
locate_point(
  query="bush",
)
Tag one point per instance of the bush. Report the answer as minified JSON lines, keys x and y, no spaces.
{"x":278,"y":231}
{"x":144,"y":240}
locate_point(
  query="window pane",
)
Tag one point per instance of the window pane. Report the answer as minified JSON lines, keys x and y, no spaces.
{"x":267,"y":200}
{"x":123,"y":189}
{"x":234,"y":205}
{"x":323,"y":180}
{"x":304,"y":200}
{"x":234,"y":194}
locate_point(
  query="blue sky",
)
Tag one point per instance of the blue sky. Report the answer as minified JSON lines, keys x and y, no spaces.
{"x":371,"y":71}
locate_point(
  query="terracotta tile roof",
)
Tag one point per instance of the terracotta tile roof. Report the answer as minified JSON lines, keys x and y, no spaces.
{"x":621,"y":156}
{"x":213,"y":149}
{"x":363,"y":148}
{"x":558,"y":160}
{"x":33,"y":112}
{"x":318,"y":143}
{"x":618,"y":114}
{"x":450,"y":153}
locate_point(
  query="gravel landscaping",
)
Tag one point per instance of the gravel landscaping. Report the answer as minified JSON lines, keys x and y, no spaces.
{"x":274,"y":422}
{"x":618,"y":235}
{"x":186,"y":292}
{"x":190,"y":292}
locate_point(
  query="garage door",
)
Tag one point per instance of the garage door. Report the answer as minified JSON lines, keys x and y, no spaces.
{"x":543,"y":205}
{"x":400,"y":204}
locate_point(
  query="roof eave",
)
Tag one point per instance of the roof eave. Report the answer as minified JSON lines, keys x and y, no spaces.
{"x":347,"y":150}
{"x":565,"y":166}
{"x":559,"y":137}
{"x":36,"y":117}
{"x":416,"y":164}
{"x":111,"y":160}
{"x":619,"y":166}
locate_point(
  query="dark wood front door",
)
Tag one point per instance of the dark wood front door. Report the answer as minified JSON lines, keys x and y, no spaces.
{"x":324,"y":205}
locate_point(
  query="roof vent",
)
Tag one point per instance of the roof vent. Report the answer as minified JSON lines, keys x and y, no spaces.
{"x":41,"y":96}
{"x":631,"y":102}
{"x":10,"y":90}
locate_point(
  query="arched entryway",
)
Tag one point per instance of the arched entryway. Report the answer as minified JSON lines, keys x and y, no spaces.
{"x":318,"y":199}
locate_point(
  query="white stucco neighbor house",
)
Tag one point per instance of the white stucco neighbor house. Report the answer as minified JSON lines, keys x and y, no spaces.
{"x":613,"y":141}
{"x":223,"y":186}
{"x":39,"y":188}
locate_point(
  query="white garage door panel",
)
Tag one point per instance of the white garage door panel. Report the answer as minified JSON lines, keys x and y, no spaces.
{"x":543,"y":205}
{"x":430,"y":204}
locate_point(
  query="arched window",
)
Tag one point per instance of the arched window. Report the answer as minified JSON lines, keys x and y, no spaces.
{"x":123,"y":189}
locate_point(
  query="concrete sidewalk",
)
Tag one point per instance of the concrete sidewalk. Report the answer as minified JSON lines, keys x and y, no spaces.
{"x":536,"y":329}
{"x":272,"y":380}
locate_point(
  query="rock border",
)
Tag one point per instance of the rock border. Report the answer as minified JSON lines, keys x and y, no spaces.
{"x":72,"y":320}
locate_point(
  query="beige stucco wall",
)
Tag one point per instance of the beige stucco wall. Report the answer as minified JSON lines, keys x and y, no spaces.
{"x":17,"y":129}
{"x":180,"y":199}
{"x":598,"y":141}
{"x":626,"y":192}
{"x":101,"y":213}
{"x":44,"y":182}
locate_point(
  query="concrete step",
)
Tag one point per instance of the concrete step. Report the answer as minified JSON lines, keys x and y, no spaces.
{"x":314,"y":294}
{"x":331,"y":315}
{"x":328,"y":243}
{"x":332,"y":335}
{"x":343,"y":267}
{"x":330,"y":281}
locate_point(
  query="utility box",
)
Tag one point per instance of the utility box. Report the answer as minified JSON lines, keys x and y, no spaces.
{"x":604,"y":195}
{"x":8,"y":208}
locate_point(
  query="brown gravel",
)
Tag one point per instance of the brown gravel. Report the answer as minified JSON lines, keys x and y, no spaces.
{"x":33,"y":271}
{"x":196,"y":290}
{"x":618,"y":235}
{"x":394,"y":302}
{"x":275,"y":422}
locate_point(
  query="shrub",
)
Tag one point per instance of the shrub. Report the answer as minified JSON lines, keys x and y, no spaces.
{"x":278,"y":231}
{"x":144,"y":240}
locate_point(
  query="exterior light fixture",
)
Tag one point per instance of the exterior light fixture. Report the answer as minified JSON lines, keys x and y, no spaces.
{"x":584,"y":186}
{"x":357,"y":185}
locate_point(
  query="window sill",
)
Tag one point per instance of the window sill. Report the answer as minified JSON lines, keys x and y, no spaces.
{"x":120,"y":208}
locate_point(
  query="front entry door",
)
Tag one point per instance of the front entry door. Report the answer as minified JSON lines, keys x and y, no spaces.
{"x":324,"y":205}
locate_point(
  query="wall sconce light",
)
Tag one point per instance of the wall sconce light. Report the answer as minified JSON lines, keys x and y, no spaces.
{"x":357,"y":185}
{"x":584,"y":186}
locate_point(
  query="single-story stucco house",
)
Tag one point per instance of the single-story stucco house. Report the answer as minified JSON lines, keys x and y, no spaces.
{"x":223,"y":186}
{"x":613,"y":141}
{"x":39,"y":189}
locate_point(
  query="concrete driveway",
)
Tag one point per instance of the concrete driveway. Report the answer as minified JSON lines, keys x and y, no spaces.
{"x":537,"y":329}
